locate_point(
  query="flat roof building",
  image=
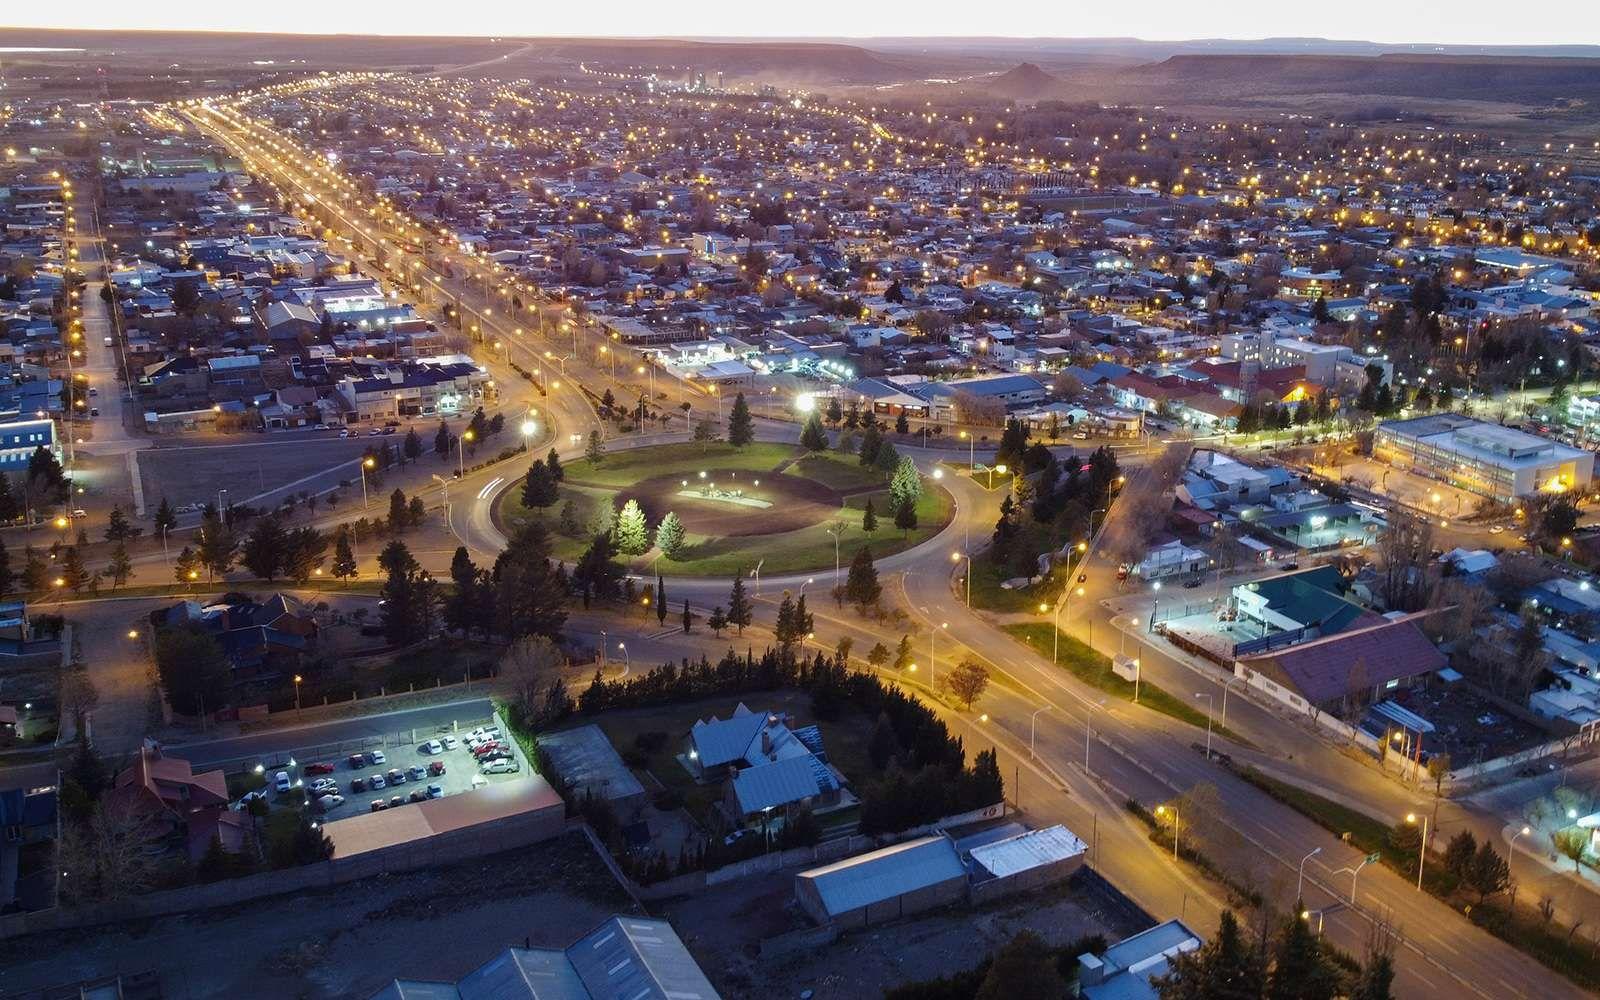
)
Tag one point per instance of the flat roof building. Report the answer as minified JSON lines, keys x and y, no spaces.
{"x":885,"y":884}
{"x":1483,"y":458}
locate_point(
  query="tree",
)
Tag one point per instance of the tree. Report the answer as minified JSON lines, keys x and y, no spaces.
{"x":884,"y":744}
{"x":193,"y":670}
{"x":835,"y":413}
{"x":552,"y":462}
{"x":118,"y":528}
{"x":596,"y":449}
{"x":869,"y":518}
{"x":1023,"y":969}
{"x":661,"y":600}
{"x":399,"y":517}
{"x":121,"y":568}
{"x":597,"y":574}
{"x":878,"y":655}
{"x":410,"y":597}
{"x":632,"y":533}
{"x":688,"y":617}
{"x":1489,"y":873}
{"x":464,"y":608}
{"x":7,"y":578}
{"x":902,"y":654}
{"x":812,"y":436}
{"x":1376,"y":979}
{"x":871,"y":443}
{"x":1572,"y":843}
{"x":185,"y":568}
{"x":888,"y":458}
{"x":411,"y":448}
{"x":1560,"y":518}
{"x":530,"y":595}
{"x":1301,"y":970}
{"x":905,"y":486}
{"x":717,"y":621}
{"x":1227,"y":967}
{"x":902,"y":425}
{"x":218,"y":544}
{"x":442,"y":440}
{"x":740,"y":611}
{"x":741,"y":428}
{"x":861,"y":586}
{"x":166,"y":517}
{"x":344,"y":559}
{"x":669,"y":535}
{"x":1013,"y":441}
{"x":1458,"y":854}
{"x":968,"y":681}
{"x":905,"y":516}
{"x":539,"y":488}
{"x":265,"y":547}
{"x":10,"y":510}
{"x":73,"y":574}
{"x":528,"y":667}
{"x":416,"y":512}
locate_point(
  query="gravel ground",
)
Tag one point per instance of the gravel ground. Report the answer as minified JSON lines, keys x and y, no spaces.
{"x":347,"y":941}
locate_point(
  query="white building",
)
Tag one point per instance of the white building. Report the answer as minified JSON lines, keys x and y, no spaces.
{"x":1483,"y":458}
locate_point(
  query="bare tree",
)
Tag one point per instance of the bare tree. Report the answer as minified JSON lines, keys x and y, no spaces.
{"x":1403,"y":552}
{"x":113,"y":856}
{"x":528,"y":667}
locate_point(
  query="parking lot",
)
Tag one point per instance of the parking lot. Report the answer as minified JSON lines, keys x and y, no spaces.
{"x":414,"y":767}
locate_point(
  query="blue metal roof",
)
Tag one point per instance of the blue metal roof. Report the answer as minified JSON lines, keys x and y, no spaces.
{"x":884,"y":874}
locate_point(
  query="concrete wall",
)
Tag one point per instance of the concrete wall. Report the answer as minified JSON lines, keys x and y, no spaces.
{"x":950,"y":891}
{"x":1025,"y":881}
{"x":486,"y":838}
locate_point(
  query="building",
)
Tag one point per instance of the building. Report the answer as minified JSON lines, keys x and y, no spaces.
{"x":1483,"y":458}
{"x":178,"y":804}
{"x":771,"y":768}
{"x":1351,"y":668}
{"x":625,"y":958}
{"x":589,"y":764}
{"x":19,"y":439}
{"x":883,"y":885}
{"x":1125,"y":970}
{"x":1022,"y":861}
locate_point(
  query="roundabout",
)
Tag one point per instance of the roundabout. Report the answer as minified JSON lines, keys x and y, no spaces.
{"x":767,"y":503}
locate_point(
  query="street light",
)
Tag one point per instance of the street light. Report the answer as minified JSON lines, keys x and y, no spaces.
{"x":366,"y":464}
{"x":972,"y":451}
{"x":1033,"y":721}
{"x":461,"y":453}
{"x":931,"y":633}
{"x":1162,"y":811}
{"x":1513,"y":846}
{"x":627,"y":660}
{"x":1210,"y":703}
{"x":956,"y":557}
{"x":1302,"y":880}
{"x":1422,"y":850}
{"x":297,"y":680}
{"x":992,"y":470}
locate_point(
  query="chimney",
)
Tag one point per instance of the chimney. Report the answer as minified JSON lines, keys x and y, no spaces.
{"x":766,"y":743}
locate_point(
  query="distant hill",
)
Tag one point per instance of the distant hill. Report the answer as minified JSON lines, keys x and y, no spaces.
{"x":1513,"y":79}
{"x":1025,"y":82}
{"x":822,"y":61}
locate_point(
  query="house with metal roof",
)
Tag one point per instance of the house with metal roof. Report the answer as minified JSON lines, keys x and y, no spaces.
{"x":770,"y":767}
{"x":625,"y":958}
{"x":1126,"y":969}
{"x":883,"y":885}
{"x":1353,"y":667}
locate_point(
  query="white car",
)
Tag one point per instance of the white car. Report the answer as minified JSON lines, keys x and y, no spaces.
{"x":484,"y":733}
{"x":431,"y":747}
{"x":505,"y":765}
{"x":330,"y":801}
{"x":376,"y":782}
{"x":280,"y":782}
{"x":450,"y":742}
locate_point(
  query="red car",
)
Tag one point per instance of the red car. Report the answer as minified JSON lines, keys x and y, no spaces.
{"x":435,"y":768}
{"x":320,"y":767}
{"x":483,"y":748}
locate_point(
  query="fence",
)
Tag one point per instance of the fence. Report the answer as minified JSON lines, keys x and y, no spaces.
{"x":252,"y":717}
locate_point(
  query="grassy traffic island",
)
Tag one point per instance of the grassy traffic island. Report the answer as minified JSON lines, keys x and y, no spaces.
{"x":776,"y":504}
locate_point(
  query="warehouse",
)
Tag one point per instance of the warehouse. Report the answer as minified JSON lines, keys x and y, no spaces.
{"x":1023,"y":861}
{"x":883,"y":885}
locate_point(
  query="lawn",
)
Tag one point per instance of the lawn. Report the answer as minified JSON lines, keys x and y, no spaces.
{"x":1095,"y":670}
{"x":590,"y":486}
{"x":624,"y":468}
{"x":987,"y":575}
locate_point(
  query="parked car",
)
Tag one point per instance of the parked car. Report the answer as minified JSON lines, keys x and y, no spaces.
{"x":280,"y":782}
{"x":395,"y":776}
{"x":324,"y":785}
{"x":417,"y":795}
{"x":358,"y":785}
{"x":94,"y":411}
{"x":416,"y":772}
{"x":431,"y":747}
{"x":344,"y":432}
{"x":485,"y":733}
{"x":505,"y":766}
{"x":1192,"y":583}
{"x":483,"y":748}
{"x":320,"y":767}
{"x":358,"y":761}
{"x":376,"y":782}
{"x":396,"y":800}
{"x":479,"y":781}
{"x":326,"y":802}
{"x":738,"y":836}
{"x":435,"y":768}
{"x":450,"y":742}
{"x":376,"y":757}
{"x":499,"y":753}
{"x":379,"y":805}
{"x":435,"y":792}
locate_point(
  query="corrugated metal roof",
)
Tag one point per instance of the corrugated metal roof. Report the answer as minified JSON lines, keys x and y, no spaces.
{"x":523,"y":974}
{"x":779,"y":783}
{"x":629,"y":958}
{"x":1028,"y":850}
{"x":884,"y":874}
{"x":722,"y":741}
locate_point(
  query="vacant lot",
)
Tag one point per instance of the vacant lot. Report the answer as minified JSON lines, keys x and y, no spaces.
{"x":347,"y":941}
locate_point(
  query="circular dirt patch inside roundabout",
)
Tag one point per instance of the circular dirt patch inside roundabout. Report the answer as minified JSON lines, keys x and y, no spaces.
{"x":731,"y":503}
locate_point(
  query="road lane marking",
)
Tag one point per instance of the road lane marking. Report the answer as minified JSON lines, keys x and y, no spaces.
{"x":490,"y":487}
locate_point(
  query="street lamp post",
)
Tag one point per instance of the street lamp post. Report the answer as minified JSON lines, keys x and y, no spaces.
{"x":1033,"y":722}
{"x":1155,"y":588}
{"x":1422,"y":850}
{"x":1513,"y":845}
{"x":836,"y":531}
{"x":366,"y":464}
{"x":461,"y":451}
{"x":956,"y":557}
{"x":931,"y":633}
{"x":627,"y":659}
{"x":1162,"y":811}
{"x":1225,"y":689}
{"x":1210,"y":703}
{"x":297,"y":680}
{"x":1300,"y":883}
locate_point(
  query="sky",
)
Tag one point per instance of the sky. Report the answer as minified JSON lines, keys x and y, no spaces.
{"x":1389,"y":21}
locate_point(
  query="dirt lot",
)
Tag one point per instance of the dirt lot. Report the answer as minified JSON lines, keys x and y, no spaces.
{"x":347,"y":941}
{"x":724,"y":927}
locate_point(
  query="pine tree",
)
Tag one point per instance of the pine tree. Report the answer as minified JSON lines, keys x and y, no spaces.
{"x":539,"y":488}
{"x":73,"y":574}
{"x":871,"y":442}
{"x":442,"y":441}
{"x":902,"y":424}
{"x":118,"y":529}
{"x":10,"y":510}
{"x":121,"y":566}
{"x":596,"y":450}
{"x":669,"y":535}
{"x":905,"y":516}
{"x":861,"y":586}
{"x":166,"y":517}
{"x":812,"y":436}
{"x":1301,"y":970}
{"x":552,"y":462}
{"x":888,"y":458}
{"x":218,"y":545}
{"x":835,"y":412}
{"x":632,"y":532}
{"x":740,"y":612}
{"x":187,"y":566}
{"x":661,"y":600}
{"x":264,"y":549}
{"x":344,"y":559}
{"x":688,"y":617}
{"x":869,"y":518}
{"x":905,"y":487}
{"x":717,"y":622}
{"x":902,"y":653}
{"x":1227,"y":966}
{"x":741,"y":428}
{"x":1023,"y":969}
{"x":784,"y":628}
{"x":412,"y":447}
